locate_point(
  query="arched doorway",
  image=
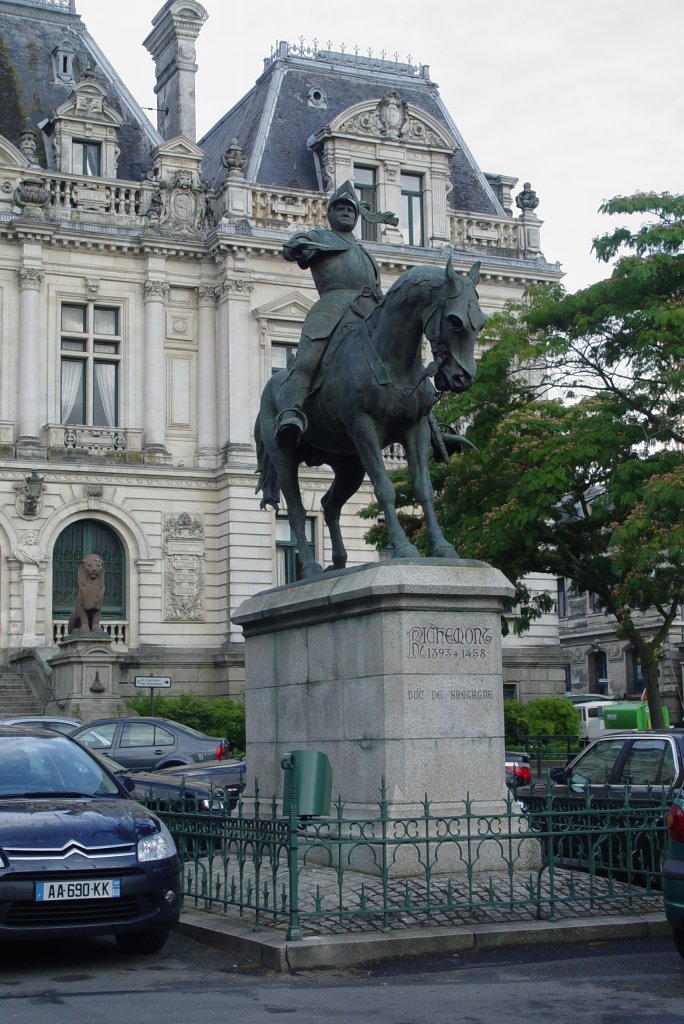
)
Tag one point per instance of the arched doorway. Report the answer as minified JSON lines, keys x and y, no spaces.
{"x":85,"y":537}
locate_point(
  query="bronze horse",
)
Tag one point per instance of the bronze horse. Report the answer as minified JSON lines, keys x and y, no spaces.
{"x":373,"y":391}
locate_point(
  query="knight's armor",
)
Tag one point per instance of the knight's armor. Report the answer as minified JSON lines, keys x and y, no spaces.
{"x":348,"y":283}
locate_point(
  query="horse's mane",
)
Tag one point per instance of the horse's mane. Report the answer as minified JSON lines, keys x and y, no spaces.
{"x":415,"y":285}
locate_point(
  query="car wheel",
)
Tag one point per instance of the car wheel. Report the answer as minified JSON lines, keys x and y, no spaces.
{"x":678,"y":936}
{"x":141,"y":942}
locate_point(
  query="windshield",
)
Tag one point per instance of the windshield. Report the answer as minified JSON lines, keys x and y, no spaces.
{"x":50,"y":766}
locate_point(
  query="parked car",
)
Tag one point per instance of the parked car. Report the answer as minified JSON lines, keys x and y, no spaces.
{"x":605,"y":810}
{"x":151,"y":742}
{"x":65,"y":725}
{"x":175,"y":788}
{"x":673,"y":872}
{"x":78,"y":856}
{"x":227,"y":775}
{"x":518,"y":770}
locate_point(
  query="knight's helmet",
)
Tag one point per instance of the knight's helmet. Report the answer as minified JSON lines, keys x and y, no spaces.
{"x":345,"y":193}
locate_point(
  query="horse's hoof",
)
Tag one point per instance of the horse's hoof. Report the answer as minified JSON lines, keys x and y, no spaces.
{"x":406,"y":551}
{"x":446,"y":551}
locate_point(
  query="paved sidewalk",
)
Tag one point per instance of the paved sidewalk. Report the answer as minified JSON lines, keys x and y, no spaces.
{"x":271,"y":949}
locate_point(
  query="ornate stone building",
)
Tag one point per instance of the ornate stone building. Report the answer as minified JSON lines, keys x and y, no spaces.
{"x":144,"y":302}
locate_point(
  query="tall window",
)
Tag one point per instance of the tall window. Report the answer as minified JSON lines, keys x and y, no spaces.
{"x":87,"y":537}
{"x":365,"y":185}
{"x":282,"y":352}
{"x":598,"y":672}
{"x":561,"y":598}
{"x":91,"y":351}
{"x":87,"y":158}
{"x":412,"y":209}
{"x":288,"y":565}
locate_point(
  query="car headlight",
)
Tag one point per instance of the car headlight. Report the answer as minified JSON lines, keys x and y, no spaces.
{"x":160,"y":846}
{"x":211,"y":805}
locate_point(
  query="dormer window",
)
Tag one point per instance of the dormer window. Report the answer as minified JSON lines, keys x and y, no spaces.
{"x":63,"y":63}
{"x":404,"y":169}
{"x":84,"y":132}
{"x":87,"y":158}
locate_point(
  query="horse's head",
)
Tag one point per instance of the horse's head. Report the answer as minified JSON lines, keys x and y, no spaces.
{"x":452,"y":325}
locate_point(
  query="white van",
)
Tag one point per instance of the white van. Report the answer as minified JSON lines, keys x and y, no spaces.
{"x":591,"y":719}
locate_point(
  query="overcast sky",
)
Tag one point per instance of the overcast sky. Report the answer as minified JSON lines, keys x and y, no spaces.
{"x":582,"y":98}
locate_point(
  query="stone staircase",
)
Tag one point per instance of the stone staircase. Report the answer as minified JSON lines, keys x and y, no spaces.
{"x":16,"y":697}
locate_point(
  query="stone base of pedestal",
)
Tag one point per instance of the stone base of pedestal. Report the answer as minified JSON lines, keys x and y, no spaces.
{"x":83,"y":677}
{"x":488,"y":841}
{"x":393,"y":670}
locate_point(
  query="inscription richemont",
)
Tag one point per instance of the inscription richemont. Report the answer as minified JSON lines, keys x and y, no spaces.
{"x":450,"y":643}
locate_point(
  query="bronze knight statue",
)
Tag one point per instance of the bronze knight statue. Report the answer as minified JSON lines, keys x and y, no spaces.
{"x":348,"y":283}
{"x":374,"y":391}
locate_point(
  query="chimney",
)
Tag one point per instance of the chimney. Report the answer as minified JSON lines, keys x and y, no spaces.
{"x":172,"y":45}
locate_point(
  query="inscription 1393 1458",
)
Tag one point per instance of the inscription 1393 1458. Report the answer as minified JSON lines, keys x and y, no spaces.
{"x":450,"y":643}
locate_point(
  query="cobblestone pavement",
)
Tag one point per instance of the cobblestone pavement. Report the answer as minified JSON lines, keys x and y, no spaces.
{"x":331,"y":905}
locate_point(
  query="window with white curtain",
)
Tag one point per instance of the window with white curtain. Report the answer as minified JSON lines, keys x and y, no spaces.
{"x":90,"y":357}
{"x":87,"y":158}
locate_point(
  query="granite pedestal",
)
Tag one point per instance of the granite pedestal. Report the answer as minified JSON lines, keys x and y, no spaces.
{"x":392,"y":669}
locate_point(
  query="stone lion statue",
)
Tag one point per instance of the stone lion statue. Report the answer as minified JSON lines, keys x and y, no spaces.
{"x":91,"y":589}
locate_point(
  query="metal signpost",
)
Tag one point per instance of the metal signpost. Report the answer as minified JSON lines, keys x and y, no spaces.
{"x":154,"y":683}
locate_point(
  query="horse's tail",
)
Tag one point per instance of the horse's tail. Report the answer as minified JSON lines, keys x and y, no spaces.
{"x":268,"y":477}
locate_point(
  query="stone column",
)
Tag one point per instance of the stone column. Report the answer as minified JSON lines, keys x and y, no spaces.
{"x":437,"y":227}
{"x":207,"y":383}
{"x":28,"y":404}
{"x":154,"y":436}
{"x":235,"y":371}
{"x":389,"y":198}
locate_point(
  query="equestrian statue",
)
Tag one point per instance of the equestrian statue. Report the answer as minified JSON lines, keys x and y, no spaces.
{"x":358,"y":383}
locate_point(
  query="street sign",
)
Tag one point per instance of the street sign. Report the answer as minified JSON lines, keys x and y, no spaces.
{"x":161,"y":682}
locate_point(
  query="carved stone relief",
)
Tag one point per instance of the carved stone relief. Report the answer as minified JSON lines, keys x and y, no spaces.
{"x":391,"y":119}
{"x":183,"y":547}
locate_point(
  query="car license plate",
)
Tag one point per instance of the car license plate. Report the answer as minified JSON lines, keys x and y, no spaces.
{"x":94,"y":889}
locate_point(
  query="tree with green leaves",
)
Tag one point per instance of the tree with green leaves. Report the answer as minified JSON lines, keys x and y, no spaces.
{"x":577,"y":418}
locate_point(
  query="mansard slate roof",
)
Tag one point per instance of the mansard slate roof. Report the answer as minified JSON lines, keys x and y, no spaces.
{"x":29,"y":33}
{"x":275,"y":119}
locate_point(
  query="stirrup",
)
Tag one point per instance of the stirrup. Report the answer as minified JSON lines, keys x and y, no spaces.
{"x":289,"y":426}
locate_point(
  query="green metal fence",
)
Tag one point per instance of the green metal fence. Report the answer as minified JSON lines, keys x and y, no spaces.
{"x":591,"y":855}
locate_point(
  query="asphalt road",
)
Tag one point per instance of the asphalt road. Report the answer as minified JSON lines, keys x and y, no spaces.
{"x":92,"y":983}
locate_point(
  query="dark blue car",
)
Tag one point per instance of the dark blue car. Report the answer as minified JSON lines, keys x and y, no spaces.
{"x":78,"y":856}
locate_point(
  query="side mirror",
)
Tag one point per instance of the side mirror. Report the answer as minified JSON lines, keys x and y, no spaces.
{"x":558,"y":775}
{"x":127,"y":783}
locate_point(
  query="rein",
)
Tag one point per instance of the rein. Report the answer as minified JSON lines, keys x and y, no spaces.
{"x":439,"y":347}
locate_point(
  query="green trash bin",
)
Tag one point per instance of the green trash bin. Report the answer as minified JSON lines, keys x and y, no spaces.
{"x":312,"y":773}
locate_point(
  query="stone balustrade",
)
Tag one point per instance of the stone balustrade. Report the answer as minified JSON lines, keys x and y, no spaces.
{"x":117,"y":631}
{"x":52,"y":196}
{"x":280,"y":209}
{"x":486,"y":232}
